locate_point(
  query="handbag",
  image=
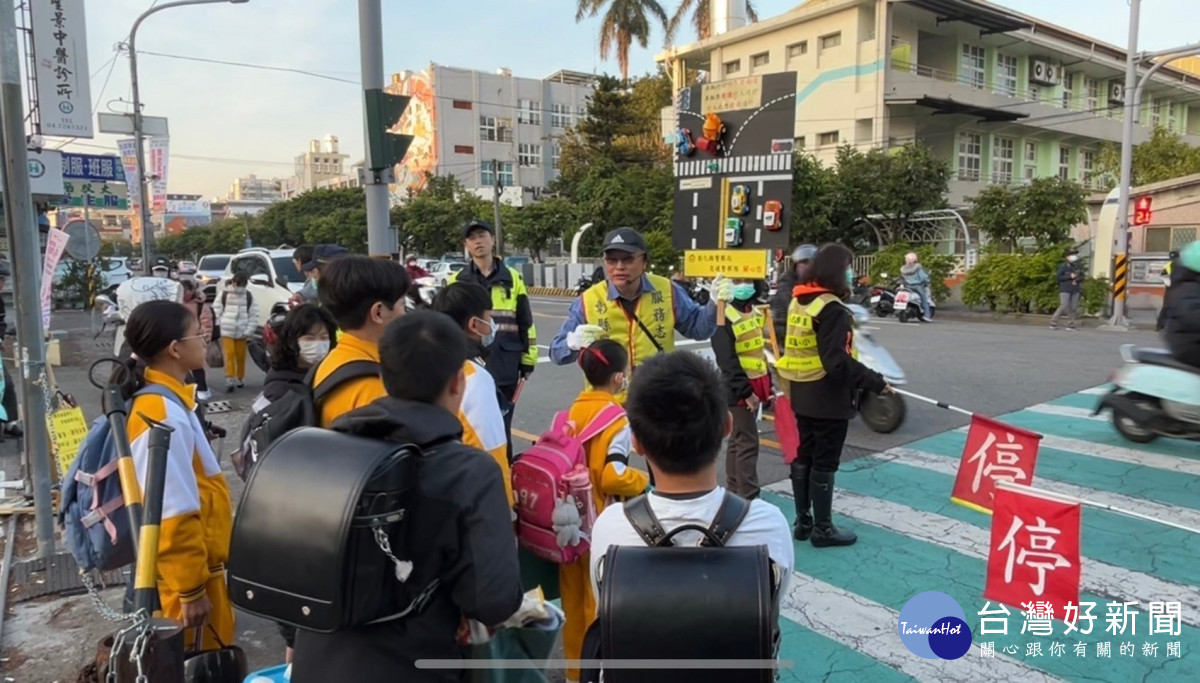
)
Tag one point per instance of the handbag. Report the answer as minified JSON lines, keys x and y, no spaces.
{"x":214,"y":356}
{"x":226,"y":664}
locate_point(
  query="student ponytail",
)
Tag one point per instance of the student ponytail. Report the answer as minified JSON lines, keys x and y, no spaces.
{"x":151,"y":328}
{"x":602,"y":361}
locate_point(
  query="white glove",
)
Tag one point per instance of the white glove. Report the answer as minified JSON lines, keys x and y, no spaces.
{"x":583,"y":336}
{"x":722,"y":289}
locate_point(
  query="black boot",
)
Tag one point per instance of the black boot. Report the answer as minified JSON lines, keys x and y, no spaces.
{"x":824,"y":534}
{"x":800,"y":484}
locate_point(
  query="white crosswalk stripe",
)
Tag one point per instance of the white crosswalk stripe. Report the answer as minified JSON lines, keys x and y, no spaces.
{"x":1068,"y":411}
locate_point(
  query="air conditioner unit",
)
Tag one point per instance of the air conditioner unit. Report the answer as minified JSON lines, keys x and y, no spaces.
{"x":1116,"y":92}
{"x":1044,"y":73}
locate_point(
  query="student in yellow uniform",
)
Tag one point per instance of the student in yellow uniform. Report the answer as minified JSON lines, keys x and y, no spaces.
{"x":363,"y":294}
{"x":606,"y":366}
{"x":469,"y":305}
{"x":197,"y":512}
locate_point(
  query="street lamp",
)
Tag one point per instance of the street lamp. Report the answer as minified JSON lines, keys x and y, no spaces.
{"x":147,"y":230}
{"x":1133,"y":98}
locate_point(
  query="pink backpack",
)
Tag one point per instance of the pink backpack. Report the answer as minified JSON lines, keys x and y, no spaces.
{"x":552,"y":477}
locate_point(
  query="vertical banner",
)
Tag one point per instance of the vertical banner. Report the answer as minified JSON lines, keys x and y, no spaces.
{"x":1033,"y":556}
{"x":158,"y":172}
{"x":61,"y":68}
{"x":127,"y":148}
{"x":56,"y":241}
{"x":994,"y":451}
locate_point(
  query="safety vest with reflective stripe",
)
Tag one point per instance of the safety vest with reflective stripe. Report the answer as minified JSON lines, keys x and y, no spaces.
{"x":748,"y":340}
{"x":655,"y":309}
{"x":801,"y":360}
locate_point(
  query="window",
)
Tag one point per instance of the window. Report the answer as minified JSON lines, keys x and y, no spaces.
{"x":733,"y":67}
{"x":970,"y":155}
{"x":797,"y":49}
{"x":506,"y":174}
{"x":504,"y":131}
{"x":972,"y":66}
{"x":486,"y":178}
{"x":461,"y":104}
{"x":487,"y":128}
{"x":1155,"y":112}
{"x":826,"y":139}
{"x":560,"y":116}
{"x":1064,"y":163}
{"x":1091,"y":95}
{"x":464,"y":149}
{"x":555,"y":153}
{"x":1031,"y":152}
{"x":1172,"y":122}
{"x":1161,"y":240}
{"x":1068,"y":93}
{"x":529,"y":111}
{"x":1087,"y":162}
{"x":760,"y":59}
{"x":1003,"y":152}
{"x":831,"y":41}
{"x":800,"y":142}
{"x":1006,"y":74}
{"x":529,"y":156}
{"x":1030,"y":173}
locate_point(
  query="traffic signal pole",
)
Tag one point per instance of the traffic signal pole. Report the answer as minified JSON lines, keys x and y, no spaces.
{"x":377,"y":174}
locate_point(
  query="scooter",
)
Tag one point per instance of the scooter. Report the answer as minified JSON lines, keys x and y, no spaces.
{"x":1153,"y":395}
{"x":882,"y":413}
{"x":262,"y":340}
{"x":883,"y":300}
{"x":908,"y":304}
{"x":110,"y":318}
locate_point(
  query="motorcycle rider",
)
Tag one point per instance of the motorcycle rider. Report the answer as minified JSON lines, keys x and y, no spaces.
{"x":1166,"y":276}
{"x":1182,"y":304}
{"x":917,"y":279}
{"x":414,"y":271}
{"x":801,"y":257}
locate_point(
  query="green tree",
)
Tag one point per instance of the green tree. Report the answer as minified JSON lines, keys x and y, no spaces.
{"x":624,"y":22}
{"x":118,"y":247}
{"x":1163,"y":157}
{"x":892,"y":184}
{"x":346,"y":227}
{"x":814,"y":189}
{"x":1045,"y":211}
{"x":431,"y":220}
{"x":288,"y":222}
{"x":701,"y":20}
{"x":537,"y":226}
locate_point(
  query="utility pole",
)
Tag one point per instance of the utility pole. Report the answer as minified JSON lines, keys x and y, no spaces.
{"x":377,"y":173}
{"x":21,"y":221}
{"x":496,"y":209}
{"x":1121,"y":255}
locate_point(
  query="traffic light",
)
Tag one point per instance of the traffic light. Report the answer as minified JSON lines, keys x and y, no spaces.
{"x":1141,"y":211}
{"x":383,"y":112}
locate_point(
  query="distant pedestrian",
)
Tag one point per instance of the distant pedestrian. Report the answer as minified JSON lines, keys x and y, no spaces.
{"x":1070,"y":284}
{"x":238,"y":316}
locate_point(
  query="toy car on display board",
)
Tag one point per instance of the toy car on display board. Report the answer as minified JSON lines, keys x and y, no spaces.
{"x":739,"y":202}
{"x":733,"y":232}
{"x":684,"y":143}
{"x":772,"y":214}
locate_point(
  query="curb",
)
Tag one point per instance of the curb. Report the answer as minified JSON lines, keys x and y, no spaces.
{"x":551,"y":291}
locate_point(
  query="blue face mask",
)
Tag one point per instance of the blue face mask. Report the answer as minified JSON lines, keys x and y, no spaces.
{"x":743,"y":291}
{"x":850,"y":276}
{"x":487,"y":339}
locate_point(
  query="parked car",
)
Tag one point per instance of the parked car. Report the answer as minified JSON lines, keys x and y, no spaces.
{"x":442,"y":270}
{"x":209,"y":271}
{"x":135,"y":264}
{"x":185,"y":268}
{"x":272,"y":274}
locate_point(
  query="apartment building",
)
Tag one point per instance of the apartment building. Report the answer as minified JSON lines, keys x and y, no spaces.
{"x":1002,"y":96}
{"x":485,"y":128}
{"x":320,"y":163}
{"x":251,"y":188}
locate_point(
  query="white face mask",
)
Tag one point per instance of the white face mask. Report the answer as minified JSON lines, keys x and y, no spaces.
{"x":313,"y":351}
{"x":1072,"y":258}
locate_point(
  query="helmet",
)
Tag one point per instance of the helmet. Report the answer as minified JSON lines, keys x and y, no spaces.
{"x":804,"y":253}
{"x":1189,"y":257}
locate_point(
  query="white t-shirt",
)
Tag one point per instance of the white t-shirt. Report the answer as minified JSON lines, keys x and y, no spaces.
{"x":764,"y":525}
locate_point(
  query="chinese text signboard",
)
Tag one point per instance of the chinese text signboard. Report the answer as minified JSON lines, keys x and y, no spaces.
{"x":1122,"y":620}
{"x":95,"y":195}
{"x":731,"y":95}
{"x":1033,"y":557}
{"x":128,"y":149}
{"x":61,"y":67}
{"x":93,"y":167}
{"x":994,"y":451}
{"x":730,"y":263}
{"x":159,"y":167}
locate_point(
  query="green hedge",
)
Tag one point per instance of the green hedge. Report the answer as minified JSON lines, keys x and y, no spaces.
{"x":1027,"y":283}
{"x":939,"y":266}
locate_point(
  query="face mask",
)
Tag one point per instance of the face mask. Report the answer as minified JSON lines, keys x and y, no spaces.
{"x":850,"y":276}
{"x":743,"y":292}
{"x":1072,"y":258}
{"x":624,"y":383}
{"x":313,"y":351}
{"x":490,"y":337}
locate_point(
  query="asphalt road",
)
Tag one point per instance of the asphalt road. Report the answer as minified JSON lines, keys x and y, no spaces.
{"x":987,"y":367}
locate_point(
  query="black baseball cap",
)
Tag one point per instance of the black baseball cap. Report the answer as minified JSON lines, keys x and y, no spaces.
{"x":322,"y":253}
{"x":625,"y":239}
{"x":476,"y":225}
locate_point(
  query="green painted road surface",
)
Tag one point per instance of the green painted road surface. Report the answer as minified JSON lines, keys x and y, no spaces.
{"x":841,"y":610}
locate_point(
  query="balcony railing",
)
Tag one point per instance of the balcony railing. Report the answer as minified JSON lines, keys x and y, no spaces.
{"x":1049,"y":96}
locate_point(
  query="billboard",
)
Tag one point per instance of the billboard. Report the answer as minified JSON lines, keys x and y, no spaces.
{"x":186,"y":213}
{"x":61,"y":68}
{"x":418,"y":121}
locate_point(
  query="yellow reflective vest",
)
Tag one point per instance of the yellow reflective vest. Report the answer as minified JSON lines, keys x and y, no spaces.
{"x":801,"y":361}
{"x":748,"y":340}
{"x":656,"y":310}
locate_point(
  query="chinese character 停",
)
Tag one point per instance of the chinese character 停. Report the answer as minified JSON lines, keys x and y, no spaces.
{"x":1007,"y":455}
{"x":1038,"y":555}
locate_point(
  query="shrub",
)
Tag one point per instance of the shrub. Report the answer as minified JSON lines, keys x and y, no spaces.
{"x":939,"y":266}
{"x":1027,"y":283}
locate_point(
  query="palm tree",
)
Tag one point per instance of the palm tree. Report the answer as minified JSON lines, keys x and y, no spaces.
{"x":699,"y":10}
{"x":624,"y":22}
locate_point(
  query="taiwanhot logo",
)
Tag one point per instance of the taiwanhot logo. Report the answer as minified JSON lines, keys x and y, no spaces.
{"x":934,"y":626}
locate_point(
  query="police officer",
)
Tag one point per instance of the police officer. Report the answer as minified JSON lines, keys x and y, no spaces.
{"x":824,"y":378}
{"x":636,"y":308}
{"x":511,"y":353}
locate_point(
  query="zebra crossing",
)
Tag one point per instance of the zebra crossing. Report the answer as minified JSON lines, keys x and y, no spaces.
{"x":840,"y":616}
{"x":754,"y":163}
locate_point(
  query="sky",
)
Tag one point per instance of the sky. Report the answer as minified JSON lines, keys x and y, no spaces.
{"x":227,"y":121}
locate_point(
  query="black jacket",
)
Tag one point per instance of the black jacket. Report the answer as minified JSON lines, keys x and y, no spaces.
{"x":724,"y":345}
{"x":1065,"y":284}
{"x":507,"y":352}
{"x":1182,"y":305}
{"x":462,"y":535}
{"x":280,"y":382}
{"x":780,"y":303}
{"x":834,"y":396}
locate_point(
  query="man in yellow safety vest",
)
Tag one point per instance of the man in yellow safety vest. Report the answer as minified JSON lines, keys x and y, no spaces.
{"x":740,"y":348}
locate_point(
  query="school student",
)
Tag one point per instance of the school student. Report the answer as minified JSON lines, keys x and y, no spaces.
{"x":238,"y":316}
{"x":363,"y":294}
{"x":193,"y":547}
{"x":605,"y":364}
{"x":469,"y":306}
{"x":193,"y":297}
